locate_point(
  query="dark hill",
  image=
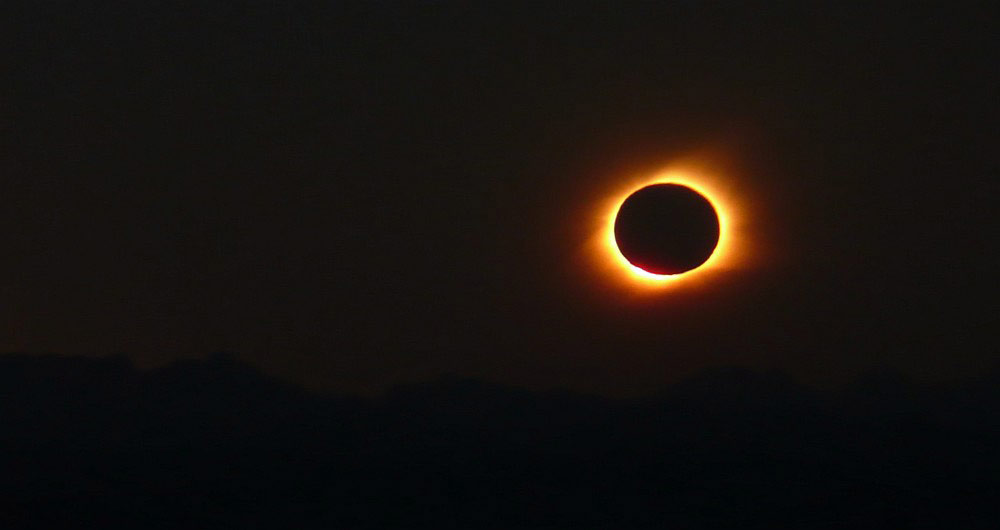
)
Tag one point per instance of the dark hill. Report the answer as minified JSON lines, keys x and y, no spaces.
{"x":95,"y":442}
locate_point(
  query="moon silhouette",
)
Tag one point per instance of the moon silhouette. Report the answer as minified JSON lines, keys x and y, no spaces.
{"x":666,"y":229}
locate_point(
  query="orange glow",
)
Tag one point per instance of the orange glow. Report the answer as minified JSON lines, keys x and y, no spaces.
{"x":730,"y":252}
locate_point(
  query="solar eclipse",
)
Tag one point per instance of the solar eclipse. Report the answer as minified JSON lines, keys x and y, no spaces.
{"x":685,"y":226}
{"x":666,"y":229}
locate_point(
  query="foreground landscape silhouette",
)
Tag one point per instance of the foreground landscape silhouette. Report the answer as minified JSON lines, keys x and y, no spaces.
{"x":213,"y":443}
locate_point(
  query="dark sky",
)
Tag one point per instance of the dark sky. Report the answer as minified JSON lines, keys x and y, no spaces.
{"x":356,"y":195}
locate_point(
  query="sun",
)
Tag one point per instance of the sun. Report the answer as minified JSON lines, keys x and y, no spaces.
{"x":729,"y":253}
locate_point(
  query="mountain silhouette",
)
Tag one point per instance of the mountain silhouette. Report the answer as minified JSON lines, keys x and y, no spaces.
{"x":96,"y":442}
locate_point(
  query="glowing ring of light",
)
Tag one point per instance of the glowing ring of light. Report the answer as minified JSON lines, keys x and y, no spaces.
{"x":724,"y":256}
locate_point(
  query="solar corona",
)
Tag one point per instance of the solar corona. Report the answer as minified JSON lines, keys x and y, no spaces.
{"x":668,"y":229}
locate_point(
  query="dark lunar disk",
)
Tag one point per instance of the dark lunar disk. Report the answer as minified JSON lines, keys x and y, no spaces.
{"x":666,"y":229}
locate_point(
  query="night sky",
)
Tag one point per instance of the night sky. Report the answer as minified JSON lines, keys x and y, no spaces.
{"x":355,"y":195}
